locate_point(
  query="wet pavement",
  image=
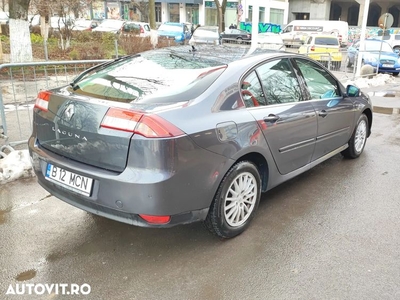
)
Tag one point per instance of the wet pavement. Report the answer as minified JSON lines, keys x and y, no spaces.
{"x":331,"y":233}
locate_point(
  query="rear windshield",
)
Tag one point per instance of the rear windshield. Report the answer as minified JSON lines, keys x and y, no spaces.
{"x":155,"y":76}
{"x":326,"y":41}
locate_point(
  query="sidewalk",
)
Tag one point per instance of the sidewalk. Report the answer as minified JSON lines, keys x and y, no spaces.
{"x":385,"y":97}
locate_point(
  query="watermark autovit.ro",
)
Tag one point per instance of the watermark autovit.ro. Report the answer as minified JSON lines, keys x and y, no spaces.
{"x":46,"y":288}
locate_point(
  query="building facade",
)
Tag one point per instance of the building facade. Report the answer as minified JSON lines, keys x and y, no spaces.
{"x":351,"y":11}
{"x":203,"y":12}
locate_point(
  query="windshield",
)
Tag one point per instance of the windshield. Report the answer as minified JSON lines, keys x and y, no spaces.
{"x":173,"y":28}
{"x":376,"y":46}
{"x":161,"y":75}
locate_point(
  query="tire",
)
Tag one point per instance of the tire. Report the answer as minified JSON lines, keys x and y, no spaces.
{"x":229,"y":218}
{"x":395,"y":73}
{"x":358,"y":138}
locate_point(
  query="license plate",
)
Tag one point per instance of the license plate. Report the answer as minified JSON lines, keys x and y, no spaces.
{"x":387,"y":66}
{"x":77,"y":183}
{"x":324,"y":58}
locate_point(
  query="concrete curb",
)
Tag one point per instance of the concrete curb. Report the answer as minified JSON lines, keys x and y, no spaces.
{"x":386,"y":110}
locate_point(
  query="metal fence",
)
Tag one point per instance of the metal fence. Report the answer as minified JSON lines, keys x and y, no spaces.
{"x":20,"y":84}
{"x":345,"y":62}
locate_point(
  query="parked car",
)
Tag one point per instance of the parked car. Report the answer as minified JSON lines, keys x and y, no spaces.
{"x":169,"y":136}
{"x":236,"y":34}
{"x":294,"y":33}
{"x":110,"y":25}
{"x":270,"y":40}
{"x":205,"y":35}
{"x":85,"y":25}
{"x":141,"y":29}
{"x":324,"y":48}
{"x":393,"y":40}
{"x":375,"y":50}
{"x":178,"y":32}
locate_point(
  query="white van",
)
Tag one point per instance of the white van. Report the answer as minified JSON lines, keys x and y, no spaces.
{"x":296,"y":31}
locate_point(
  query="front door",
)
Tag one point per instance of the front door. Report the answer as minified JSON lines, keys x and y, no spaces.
{"x":274,"y":97}
{"x":335,"y":113}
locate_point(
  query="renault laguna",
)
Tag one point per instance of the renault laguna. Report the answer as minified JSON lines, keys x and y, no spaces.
{"x":178,"y":135}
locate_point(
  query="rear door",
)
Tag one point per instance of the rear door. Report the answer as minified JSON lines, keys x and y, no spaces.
{"x":274,"y":97}
{"x":335,"y":113}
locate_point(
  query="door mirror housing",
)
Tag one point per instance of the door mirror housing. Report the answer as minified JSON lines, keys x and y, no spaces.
{"x":352,"y":91}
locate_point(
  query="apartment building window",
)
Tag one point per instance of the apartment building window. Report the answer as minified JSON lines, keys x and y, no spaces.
{"x":276,"y":16}
{"x":158,"y":12}
{"x":173,"y":12}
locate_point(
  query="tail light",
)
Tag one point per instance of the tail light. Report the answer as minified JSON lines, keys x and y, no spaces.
{"x":42,"y":100}
{"x":141,"y":29}
{"x":156,"y":219}
{"x":312,"y":48}
{"x":150,"y":126}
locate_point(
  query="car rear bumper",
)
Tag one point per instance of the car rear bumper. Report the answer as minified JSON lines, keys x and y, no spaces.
{"x":182,"y":188}
{"x":120,"y":215}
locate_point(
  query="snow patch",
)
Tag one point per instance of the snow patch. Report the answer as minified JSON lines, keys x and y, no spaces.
{"x":15,"y":165}
{"x":377,"y":80}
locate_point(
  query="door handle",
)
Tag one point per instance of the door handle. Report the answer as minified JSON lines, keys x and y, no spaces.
{"x":323,"y":113}
{"x":271,"y":118}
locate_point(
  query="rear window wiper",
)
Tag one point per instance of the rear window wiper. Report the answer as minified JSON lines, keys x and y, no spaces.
{"x":99,"y":68}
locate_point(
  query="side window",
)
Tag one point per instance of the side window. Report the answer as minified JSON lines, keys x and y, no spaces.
{"x":309,"y":40}
{"x":320,"y":83}
{"x":397,"y":37}
{"x":279,"y":82}
{"x":252,"y":92}
{"x":289,"y":28}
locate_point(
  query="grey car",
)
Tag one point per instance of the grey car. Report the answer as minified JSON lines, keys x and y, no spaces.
{"x":171,"y":136}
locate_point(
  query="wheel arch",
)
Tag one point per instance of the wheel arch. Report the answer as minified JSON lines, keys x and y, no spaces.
{"x":262,"y":165}
{"x":368,"y":113}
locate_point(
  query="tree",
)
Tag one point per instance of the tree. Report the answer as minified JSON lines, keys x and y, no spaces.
{"x":221,"y":8}
{"x":143,"y":7}
{"x":152,"y":14}
{"x":20,"y":39}
{"x":65,"y":11}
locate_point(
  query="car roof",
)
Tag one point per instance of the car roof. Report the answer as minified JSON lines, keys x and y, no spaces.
{"x":173,"y":23}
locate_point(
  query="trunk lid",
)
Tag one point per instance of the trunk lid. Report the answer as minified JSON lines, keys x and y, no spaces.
{"x":71,"y":128}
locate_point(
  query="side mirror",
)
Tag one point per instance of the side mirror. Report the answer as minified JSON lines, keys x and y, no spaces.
{"x":352,"y":91}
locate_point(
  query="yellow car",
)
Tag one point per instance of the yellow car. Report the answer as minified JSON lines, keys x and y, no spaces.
{"x":324,"y":49}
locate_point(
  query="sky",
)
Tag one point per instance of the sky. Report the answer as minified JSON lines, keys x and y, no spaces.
{"x":16,"y":164}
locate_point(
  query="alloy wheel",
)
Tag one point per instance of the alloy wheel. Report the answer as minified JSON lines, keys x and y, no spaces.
{"x":360,"y":136}
{"x":240,"y":199}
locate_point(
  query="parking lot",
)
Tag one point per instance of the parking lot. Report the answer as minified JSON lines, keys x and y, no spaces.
{"x":331,"y":233}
